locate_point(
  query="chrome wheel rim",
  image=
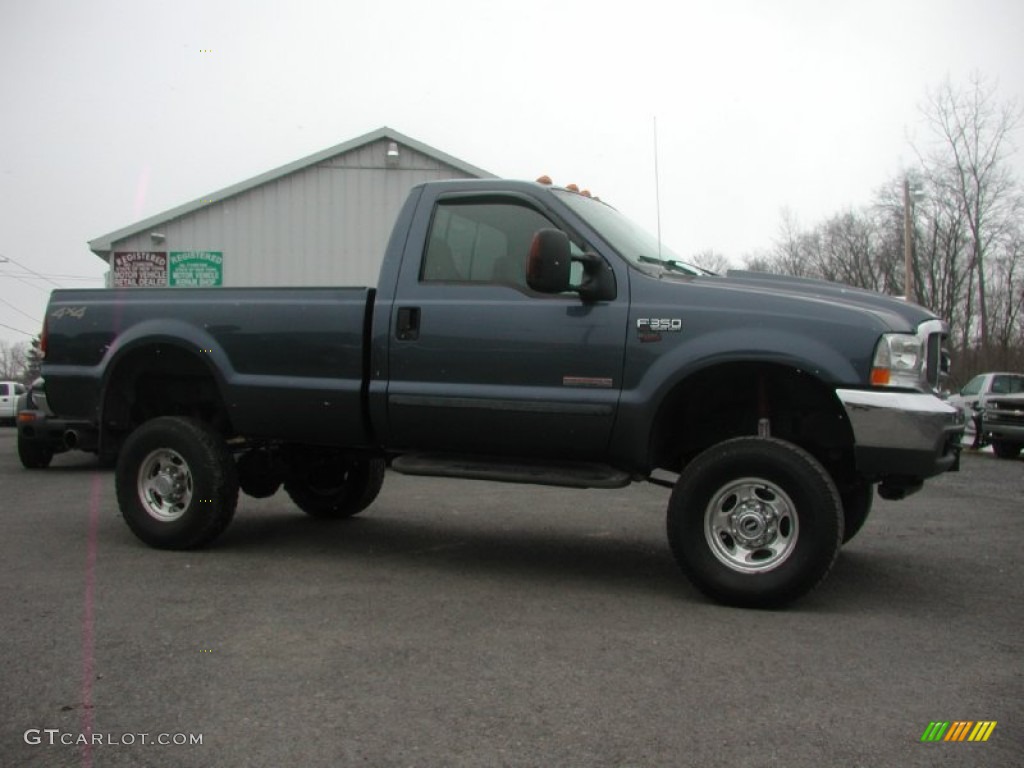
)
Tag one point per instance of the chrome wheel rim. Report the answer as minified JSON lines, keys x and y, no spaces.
{"x":165,"y":485}
{"x":751,"y":525}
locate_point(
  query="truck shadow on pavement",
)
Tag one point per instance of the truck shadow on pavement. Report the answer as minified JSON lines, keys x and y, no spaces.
{"x":526,"y":555}
{"x":531,"y":556}
{"x":69,"y":464}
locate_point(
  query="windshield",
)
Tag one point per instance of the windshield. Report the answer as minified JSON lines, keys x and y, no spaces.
{"x":633,"y":243}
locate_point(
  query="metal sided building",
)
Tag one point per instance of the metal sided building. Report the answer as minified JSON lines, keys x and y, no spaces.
{"x":322,"y":220}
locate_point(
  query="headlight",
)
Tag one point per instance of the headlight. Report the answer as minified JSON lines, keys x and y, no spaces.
{"x":899,"y":362}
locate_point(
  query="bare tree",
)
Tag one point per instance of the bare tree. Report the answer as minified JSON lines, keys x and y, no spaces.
{"x":942,"y":261}
{"x":852,"y":251}
{"x":967,"y":162}
{"x":967,"y":237}
{"x":760,"y":261}
{"x":711,"y":260}
{"x":12,"y":361}
{"x":940,"y":250}
{"x":795,"y":252}
{"x":848,"y":248}
{"x":1007,"y":296}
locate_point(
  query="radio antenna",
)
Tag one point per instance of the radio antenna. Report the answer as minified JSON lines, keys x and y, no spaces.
{"x":657,"y":184}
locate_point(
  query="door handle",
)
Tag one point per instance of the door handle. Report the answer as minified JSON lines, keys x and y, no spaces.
{"x":408,"y":324}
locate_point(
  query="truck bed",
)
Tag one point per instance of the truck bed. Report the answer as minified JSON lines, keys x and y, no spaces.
{"x":290,"y":362}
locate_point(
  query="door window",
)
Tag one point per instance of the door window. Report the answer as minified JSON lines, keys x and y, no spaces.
{"x":1005,"y":384}
{"x":483,"y":242}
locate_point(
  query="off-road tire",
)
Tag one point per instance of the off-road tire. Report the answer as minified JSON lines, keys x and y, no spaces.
{"x":157,"y":457}
{"x":1006,"y":449}
{"x":338,"y":489}
{"x":34,"y":455}
{"x":857,"y":503}
{"x":725,"y":507}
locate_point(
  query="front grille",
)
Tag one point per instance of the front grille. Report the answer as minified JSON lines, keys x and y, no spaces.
{"x":934,"y":359}
{"x":1003,"y":412}
{"x":937,"y":359}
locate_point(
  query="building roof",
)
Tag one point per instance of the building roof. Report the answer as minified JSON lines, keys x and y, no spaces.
{"x":102,"y":245}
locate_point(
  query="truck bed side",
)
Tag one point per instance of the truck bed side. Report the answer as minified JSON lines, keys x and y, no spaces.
{"x":287,"y":363}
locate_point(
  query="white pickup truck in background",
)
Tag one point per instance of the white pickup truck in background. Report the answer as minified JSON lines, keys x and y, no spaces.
{"x":9,"y":393}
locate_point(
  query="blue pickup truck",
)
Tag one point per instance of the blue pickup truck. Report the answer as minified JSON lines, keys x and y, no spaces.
{"x":526,"y":333}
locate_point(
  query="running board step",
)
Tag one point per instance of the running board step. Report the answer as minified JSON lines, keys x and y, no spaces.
{"x":563,"y":474}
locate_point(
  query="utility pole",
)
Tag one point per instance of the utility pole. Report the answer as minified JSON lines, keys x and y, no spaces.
{"x":908,"y":243}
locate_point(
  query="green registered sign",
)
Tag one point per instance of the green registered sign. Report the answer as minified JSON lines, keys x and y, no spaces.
{"x":195,"y":269}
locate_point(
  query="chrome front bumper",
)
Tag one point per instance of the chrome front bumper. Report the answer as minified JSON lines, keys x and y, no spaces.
{"x":902,"y":434}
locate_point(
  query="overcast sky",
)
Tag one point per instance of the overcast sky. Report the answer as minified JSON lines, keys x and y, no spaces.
{"x":115,"y":111}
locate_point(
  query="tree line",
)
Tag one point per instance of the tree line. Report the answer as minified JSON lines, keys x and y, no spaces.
{"x":966,"y":231}
{"x":20,"y":361}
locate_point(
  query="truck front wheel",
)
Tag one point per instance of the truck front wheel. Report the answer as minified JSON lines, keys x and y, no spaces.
{"x":1005,"y":449}
{"x":755,"y":522}
{"x":857,"y":503}
{"x":176,"y":483}
{"x":336,"y":487}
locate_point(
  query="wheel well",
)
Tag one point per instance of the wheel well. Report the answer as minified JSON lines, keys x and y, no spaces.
{"x":160,"y":380}
{"x":729,"y":400}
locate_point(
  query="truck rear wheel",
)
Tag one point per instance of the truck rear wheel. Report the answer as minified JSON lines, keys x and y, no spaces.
{"x":337,"y":487}
{"x":34,"y":455}
{"x":755,"y":522}
{"x":176,"y":483}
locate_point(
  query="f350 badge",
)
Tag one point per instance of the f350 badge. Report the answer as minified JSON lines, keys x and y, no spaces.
{"x":649,"y":329}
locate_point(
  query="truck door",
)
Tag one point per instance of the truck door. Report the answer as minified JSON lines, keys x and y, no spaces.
{"x":481,"y":364}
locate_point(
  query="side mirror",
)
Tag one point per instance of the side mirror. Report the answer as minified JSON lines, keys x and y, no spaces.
{"x":598,"y":279}
{"x":549,"y":262}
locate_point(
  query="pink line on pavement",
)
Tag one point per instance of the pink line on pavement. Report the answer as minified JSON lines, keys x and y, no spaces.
{"x":88,"y":618}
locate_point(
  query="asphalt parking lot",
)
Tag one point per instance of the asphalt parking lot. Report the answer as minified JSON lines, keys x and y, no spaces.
{"x":475,"y":624}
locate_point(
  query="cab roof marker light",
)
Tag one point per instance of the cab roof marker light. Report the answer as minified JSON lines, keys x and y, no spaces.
{"x":547,"y":182}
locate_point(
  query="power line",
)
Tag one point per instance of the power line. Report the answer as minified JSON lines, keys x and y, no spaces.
{"x":17,"y":330}
{"x":29,"y":284}
{"x":27,"y":269}
{"x":21,"y":312}
{"x":17,"y":275}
